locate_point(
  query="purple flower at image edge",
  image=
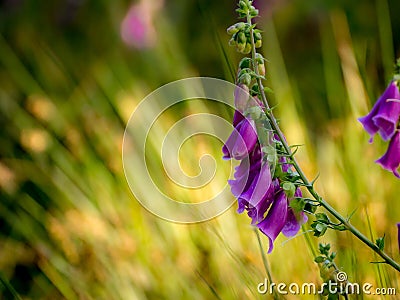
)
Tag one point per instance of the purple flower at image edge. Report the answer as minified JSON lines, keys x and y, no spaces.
{"x":391,"y":159}
{"x":384,"y":119}
{"x":398,"y":234}
{"x":384,"y":116}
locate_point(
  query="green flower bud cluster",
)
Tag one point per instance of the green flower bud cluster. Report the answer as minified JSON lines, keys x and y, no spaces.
{"x":241,"y":31}
{"x":246,"y":7}
{"x":247,"y":76}
{"x":241,"y":37}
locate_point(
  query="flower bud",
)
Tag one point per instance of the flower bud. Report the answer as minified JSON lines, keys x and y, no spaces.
{"x":245,"y":63}
{"x":241,"y":38}
{"x":255,"y":90}
{"x":245,"y":78}
{"x":243,"y":5}
{"x":253,"y":11}
{"x":240,"y":47}
{"x":247,"y":49}
{"x":259,"y":58}
{"x":236,"y":28}
{"x":261,"y":69}
{"x":232,"y":29}
{"x":241,"y":95}
{"x":257,"y":39}
{"x":232,"y":42}
{"x":240,"y":25}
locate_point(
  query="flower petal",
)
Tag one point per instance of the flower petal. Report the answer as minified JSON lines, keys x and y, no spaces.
{"x":258,"y":188}
{"x":241,"y":96}
{"x":398,"y":234}
{"x":257,"y":213}
{"x":391,"y":92}
{"x":387,"y":118}
{"x":241,"y":141}
{"x":294,"y":220}
{"x":273,"y":223}
{"x":237,"y":117}
{"x":292,"y":225}
{"x":391,"y":159}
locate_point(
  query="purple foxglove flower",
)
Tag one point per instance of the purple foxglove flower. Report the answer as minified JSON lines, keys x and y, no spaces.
{"x":275,"y":220}
{"x":391,"y":159}
{"x":257,"y":213}
{"x":241,"y":96}
{"x":294,"y":220}
{"x":237,"y":117}
{"x":398,"y":234}
{"x":385,"y":114}
{"x":252,"y":189}
{"x":241,"y":141}
{"x":259,"y":187}
{"x":244,"y":175}
{"x":285,"y":166}
{"x":292,"y":225}
{"x":249,"y":163}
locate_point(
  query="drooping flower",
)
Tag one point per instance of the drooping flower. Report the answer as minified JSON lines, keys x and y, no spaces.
{"x":275,"y":220}
{"x":391,"y":159}
{"x":385,"y":114}
{"x":242,"y":140}
{"x":385,"y":119}
{"x":282,"y":218}
{"x":241,"y":96}
{"x":257,"y":191}
{"x":137,"y":27}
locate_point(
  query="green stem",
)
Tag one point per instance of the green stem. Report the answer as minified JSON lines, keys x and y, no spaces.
{"x":387,"y":259}
{"x":9,"y":288}
{"x":264,"y":259}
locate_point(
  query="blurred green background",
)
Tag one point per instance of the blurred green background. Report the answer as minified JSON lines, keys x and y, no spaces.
{"x":71,"y":73}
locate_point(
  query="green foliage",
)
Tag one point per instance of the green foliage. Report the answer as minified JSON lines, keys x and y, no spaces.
{"x":380,"y":242}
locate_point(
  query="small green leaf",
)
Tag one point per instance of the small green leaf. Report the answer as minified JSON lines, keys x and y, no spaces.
{"x":322,"y":217}
{"x":297,"y":204}
{"x":340,"y":227}
{"x":289,"y":189}
{"x":380,"y":242}
{"x":319,"y":259}
{"x":269,"y":150}
{"x":324,"y":248}
{"x":308,"y":207}
{"x":319,"y":228}
{"x":255,"y":112}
